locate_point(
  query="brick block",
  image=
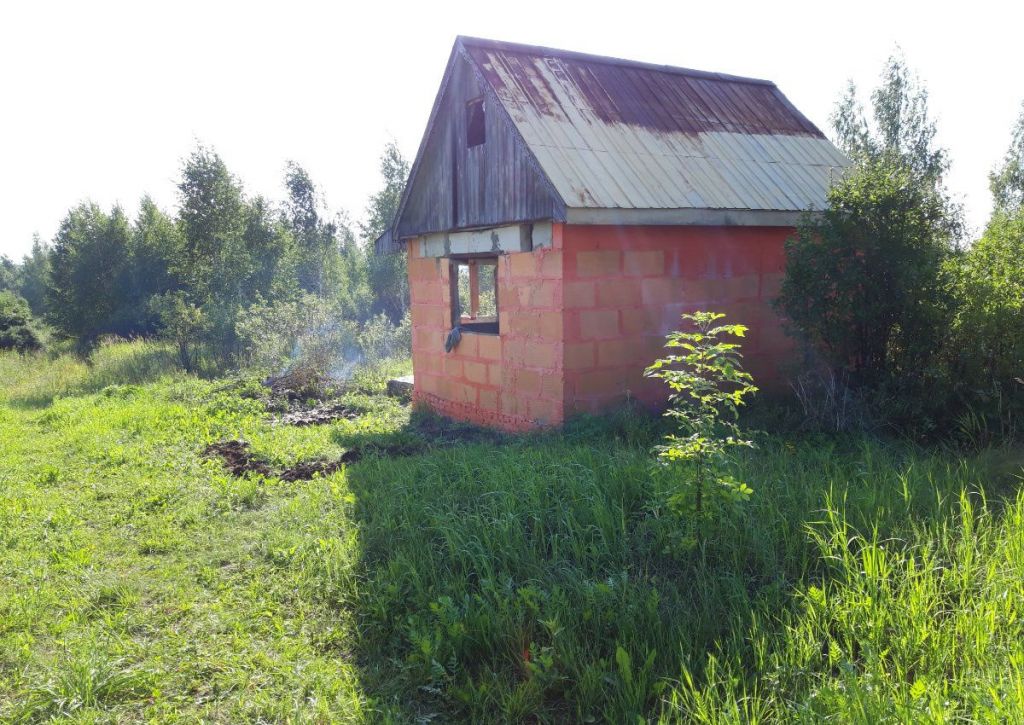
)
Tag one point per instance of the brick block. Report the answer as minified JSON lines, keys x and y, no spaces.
{"x":551,"y":327}
{"x":597,"y":324}
{"x":598,"y":382}
{"x":452,"y":367}
{"x":426,"y":315}
{"x":598,"y":264}
{"x":508,"y":404}
{"x":489,"y":347}
{"x":551,"y":264}
{"x":488,"y":398}
{"x":643,"y":264}
{"x":426,"y":383}
{"x":618,"y":293}
{"x":747,"y":287}
{"x":467,"y":346}
{"x":523,"y":264}
{"x":424,"y":269}
{"x":540,"y":355}
{"x":539,"y":294}
{"x":528,"y":383}
{"x":428,"y":340}
{"x":494,"y":374}
{"x":524,"y":324}
{"x":427,"y":363}
{"x":699,"y":291}
{"x":544,"y":411}
{"x":551,"y":387}
{"x":475,"y":372}
{"x":579,"y":294}
{"x":513,"y":350}
{"x":620,"y":352}
{"x":660,"y":290}
{"x":638,"y":320}
{"x":579,"y":355}
{"x":425,"y":292}
{"x":456,"y":391}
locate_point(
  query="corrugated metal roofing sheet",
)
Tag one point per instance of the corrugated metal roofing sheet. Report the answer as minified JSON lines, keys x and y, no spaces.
{"x":614,"y":134}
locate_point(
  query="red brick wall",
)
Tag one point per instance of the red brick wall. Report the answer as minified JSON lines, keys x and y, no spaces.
{"x":512,"y":381}
{"x":625,"y":288}
{"x":581,"y":320}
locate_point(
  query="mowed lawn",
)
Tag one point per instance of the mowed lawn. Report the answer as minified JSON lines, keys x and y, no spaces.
{"x":456,"y":575}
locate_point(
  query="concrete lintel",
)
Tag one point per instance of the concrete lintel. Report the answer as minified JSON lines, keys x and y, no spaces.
{"x":493,"y":240}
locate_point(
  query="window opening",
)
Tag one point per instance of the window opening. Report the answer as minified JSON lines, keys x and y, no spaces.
{"x":475,"y":294}
{"x":476,"y":127}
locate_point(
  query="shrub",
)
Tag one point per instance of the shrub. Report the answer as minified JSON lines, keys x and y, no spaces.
{"x":182,"y":322}
{"x":380,"y":338}
{"x":305,"y":334}
{"x":17,"y":330}
{"x":864,"y":278}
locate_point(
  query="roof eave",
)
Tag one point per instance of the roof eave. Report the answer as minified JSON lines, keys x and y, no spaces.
{"x":686,"y":217}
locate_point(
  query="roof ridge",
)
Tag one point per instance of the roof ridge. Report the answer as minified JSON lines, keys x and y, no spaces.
{"x":544,"y":51}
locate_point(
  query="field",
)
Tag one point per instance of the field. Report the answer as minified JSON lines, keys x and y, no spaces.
{"x":451,"y":574}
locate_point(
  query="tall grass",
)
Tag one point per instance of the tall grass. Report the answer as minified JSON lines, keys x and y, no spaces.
{"x":539,"y":580}
{"x":35,"y":380}
{"x":494,"y":579}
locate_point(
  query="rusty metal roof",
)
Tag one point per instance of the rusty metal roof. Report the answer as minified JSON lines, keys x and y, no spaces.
{"x":612,"y":134}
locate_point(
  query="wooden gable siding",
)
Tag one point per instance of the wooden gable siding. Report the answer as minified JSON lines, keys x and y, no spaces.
{"x":455,"y":186}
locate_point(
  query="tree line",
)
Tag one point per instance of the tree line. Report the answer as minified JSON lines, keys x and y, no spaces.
{"x":194,"y":276}
{"x":905,"y":321}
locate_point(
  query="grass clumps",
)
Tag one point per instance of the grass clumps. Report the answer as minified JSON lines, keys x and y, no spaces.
{"x":482,"y":578}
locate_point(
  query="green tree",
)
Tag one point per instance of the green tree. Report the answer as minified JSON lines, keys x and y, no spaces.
{"x":1007,"y":180}
{"x":900,"y":130}
{"x":90,"y":261}
{"x":17,"y":330}
{"x":316,"y":252}
{"x":8,"y":274}
{"x":354,"y":294}
{"x":231,"y":248}
{"x":155,"y":244}
{"x":34,"y":276}
{"x":387,"y":272}
{"x":708,"y":386}
{"x":212,"y":261}
{"x":985,"y":345}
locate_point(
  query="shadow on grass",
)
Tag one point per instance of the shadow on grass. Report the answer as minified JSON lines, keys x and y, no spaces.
{"x":539,"y":576}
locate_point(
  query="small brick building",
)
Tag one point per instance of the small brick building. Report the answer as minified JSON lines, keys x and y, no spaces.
{"x":564,"y":209}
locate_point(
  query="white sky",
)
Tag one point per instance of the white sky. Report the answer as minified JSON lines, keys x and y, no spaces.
{"x":102,"y":100}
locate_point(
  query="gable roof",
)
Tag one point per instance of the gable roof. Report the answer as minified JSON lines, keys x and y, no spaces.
{"x":620,"y":141}
{"x":616,"y":134}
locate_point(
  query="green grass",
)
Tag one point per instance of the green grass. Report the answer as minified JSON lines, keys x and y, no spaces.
{"x":489,"y":579}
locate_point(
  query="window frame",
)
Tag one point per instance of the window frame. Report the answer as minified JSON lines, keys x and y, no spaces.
{"x":473,"y":322}
{"x":476,"y":122}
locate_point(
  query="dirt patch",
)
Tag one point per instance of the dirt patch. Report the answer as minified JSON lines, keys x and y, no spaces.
{"x":305,"y":470}
{"x":318,"y":415}
{"x":237,"y":458}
